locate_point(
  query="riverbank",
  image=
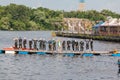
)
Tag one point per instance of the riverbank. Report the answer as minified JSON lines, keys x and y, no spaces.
{"x":88,"y":36}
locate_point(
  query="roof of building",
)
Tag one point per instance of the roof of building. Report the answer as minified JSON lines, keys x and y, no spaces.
{"x":112,"y":22}
{"x":98,"y":25}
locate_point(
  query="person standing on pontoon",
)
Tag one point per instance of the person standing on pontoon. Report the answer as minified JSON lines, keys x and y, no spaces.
{"x":16,"y":43}
{"x":91,"y":44}
{"x":76,"y":46}
{"x":87,"y":44}
{"x":81,"y":46}
{"x":30,"y":44}
{"x":44,"y":44}
{"x":35,"y":44}
{"x":63,"y":45}
{"x":40,"y":44}
{"x":24,"y":43}
{"x":54,"y":45}
{"x":73,"y":45}
{"x":68,"y":45}
{"x":20,"y":42}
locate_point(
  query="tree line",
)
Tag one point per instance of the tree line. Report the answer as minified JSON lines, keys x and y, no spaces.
{"x":92,"y":15}
{"x":20,"y":17}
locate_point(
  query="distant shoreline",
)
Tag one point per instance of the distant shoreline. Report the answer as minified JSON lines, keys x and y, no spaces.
{"x":89,"y":36}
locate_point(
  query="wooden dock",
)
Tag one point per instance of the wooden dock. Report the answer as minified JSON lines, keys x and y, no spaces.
{"x":68,"y":53}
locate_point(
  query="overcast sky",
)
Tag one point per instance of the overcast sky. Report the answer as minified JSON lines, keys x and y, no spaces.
{"x":68,"y":5}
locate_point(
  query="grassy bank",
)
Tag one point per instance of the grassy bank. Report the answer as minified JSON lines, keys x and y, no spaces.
{"x":88,"y":36}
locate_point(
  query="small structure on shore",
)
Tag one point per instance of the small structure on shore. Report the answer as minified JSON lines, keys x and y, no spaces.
{"x":110,"y":27}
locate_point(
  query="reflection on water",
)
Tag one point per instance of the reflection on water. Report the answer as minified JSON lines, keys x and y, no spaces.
{"x":57,"y":67}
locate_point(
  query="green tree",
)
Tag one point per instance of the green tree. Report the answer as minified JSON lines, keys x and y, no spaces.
{"x":18,"y":25}
{"x":4,"y":23}
{"x":33,"y":26}
{"x":110,"y":13}
{"x":18,"y":12}
{"x":38,"y":16}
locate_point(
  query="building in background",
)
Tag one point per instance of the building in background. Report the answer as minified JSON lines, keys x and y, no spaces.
{"x":110,"y":27}
{"x":81,"y":5}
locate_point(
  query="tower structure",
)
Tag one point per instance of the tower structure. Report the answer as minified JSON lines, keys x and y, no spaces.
{"x":81,"y":5}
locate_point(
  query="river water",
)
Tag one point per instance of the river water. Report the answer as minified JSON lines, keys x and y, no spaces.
{"x":57,"y":67}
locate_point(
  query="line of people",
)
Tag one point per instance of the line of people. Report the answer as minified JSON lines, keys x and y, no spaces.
{"x":22,"y":43}
{"x":53,"y":45}
{"x":34,"y":44}
{"x":87,"y":44}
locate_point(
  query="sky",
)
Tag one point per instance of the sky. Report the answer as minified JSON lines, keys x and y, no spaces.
{"x":68,"y":5}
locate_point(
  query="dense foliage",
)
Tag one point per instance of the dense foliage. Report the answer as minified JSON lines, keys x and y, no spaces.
{"x":92,"y":14}
{"x":20,"y":17}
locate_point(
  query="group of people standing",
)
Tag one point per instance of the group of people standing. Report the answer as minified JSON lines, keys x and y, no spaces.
{"x":52,"y":45}
{"x":87,"y":44}
{"x":32,"y":44}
